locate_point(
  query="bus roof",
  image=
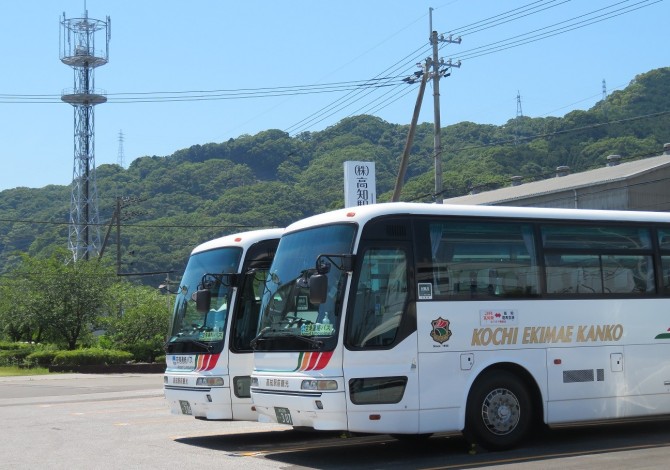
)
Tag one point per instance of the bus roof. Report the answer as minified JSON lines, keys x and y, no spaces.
{"x":242,"y":239}
{"x":362,"y":214}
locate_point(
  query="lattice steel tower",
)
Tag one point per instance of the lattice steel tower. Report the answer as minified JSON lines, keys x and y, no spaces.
{"x":78,"y":50}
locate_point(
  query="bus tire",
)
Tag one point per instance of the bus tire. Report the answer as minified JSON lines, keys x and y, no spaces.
{"x":499,"y":412}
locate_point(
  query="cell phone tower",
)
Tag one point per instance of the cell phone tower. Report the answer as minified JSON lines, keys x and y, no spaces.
{"x":78,"y":50}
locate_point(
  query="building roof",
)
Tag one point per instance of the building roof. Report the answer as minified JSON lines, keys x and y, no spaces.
{"x":609,"y":174}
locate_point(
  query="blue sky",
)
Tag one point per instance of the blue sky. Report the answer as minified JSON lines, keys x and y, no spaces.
{"x":310,"y":55}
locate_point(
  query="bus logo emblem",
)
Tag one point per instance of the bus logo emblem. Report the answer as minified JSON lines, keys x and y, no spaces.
{"x":440,"y":332}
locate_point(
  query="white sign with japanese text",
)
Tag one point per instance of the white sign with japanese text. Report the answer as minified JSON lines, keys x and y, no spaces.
{"x":359,"y":184}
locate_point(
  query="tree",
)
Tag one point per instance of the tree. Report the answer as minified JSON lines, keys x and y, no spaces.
{"x":140,"y":322}
{"x":61,"y":300}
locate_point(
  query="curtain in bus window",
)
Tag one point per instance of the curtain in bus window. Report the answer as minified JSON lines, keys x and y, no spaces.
{"x":665,"y":260}
{"x":435,"y":238}
{"x":441,"y":253}
{"x":380,"y":298}
{"x":664,"y":245}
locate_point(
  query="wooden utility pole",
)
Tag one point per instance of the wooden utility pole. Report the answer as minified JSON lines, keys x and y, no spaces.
{"x":410,"y":137}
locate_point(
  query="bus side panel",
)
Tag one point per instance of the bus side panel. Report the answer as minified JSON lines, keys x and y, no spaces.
{"x":585,"y":383}
{"x":442,"y":385}
{"x":647,"y":357}
{"x":647,"y":370}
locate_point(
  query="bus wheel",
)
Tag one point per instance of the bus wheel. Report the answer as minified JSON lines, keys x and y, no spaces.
{"x":498,"y":414}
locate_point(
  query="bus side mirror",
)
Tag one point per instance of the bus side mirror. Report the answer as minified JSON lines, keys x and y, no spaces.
{"x":318,"y":288}
{"x":203,"y":300}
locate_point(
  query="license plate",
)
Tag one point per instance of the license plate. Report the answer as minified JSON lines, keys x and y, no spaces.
{"x":283,"y":415}
{"x":185,"y":407}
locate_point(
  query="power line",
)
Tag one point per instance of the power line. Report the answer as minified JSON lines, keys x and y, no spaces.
{"x":350,"y":97}
{"x":491,"y":48}
{"x":357,"y":91}
{"x":211,"y":95}
{"x":49,"y":222}
{"x":508,"y":16}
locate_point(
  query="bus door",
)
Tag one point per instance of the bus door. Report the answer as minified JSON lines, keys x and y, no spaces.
{"x":380,"y":354}
{"x":240,"y":353}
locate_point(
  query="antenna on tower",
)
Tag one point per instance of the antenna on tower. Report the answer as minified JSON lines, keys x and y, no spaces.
{"x":604,"y":99}
{"x":121,"y":157}
{"x":519,"y":114}
{"x":78,"y":50}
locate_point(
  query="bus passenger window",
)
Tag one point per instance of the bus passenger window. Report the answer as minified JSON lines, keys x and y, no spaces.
{"x":477,"y":259}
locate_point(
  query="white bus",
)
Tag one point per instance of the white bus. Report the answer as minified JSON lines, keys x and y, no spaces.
{"x":209,"y":359}
{"x":412,"y":319}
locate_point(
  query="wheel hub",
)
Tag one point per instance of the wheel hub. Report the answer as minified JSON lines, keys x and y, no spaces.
{"x":501,"y":411}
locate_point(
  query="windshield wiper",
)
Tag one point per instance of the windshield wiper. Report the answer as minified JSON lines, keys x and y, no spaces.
{"x":167,"y":345}
{"x":283,"y":334}
{"x":258,"y":337}
{"x":205,"y":346}
{"x":317,"y":343}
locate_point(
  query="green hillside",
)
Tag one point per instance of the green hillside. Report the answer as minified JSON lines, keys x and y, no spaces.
{"x":172,"y":203}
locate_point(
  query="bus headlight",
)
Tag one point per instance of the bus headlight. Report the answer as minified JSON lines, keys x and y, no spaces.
{"x":210,"y":381}
{"x":319,"y":385}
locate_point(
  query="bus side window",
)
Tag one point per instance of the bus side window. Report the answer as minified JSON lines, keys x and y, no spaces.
{"x":465,"y":259}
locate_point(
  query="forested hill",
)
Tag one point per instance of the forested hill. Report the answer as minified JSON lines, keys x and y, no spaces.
{"x":173,"y":203}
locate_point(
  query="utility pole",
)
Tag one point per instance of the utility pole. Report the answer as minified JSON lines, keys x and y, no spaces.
{"x":117,"y":216}
{"x":436,"y":63}
{"x":410,"y":135}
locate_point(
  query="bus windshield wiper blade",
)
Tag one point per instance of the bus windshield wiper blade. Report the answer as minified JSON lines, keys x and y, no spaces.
{"x":282,"y":334}
{"x":258,"y":337}
{"x":314,"y":342}
{"x":205,"y":346}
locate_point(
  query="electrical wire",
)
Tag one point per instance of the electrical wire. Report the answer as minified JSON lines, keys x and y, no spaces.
{"x":357,"y":91}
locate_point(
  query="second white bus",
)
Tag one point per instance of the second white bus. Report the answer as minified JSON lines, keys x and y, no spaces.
{"x":209,"y":359}
{"x":413,"y":319}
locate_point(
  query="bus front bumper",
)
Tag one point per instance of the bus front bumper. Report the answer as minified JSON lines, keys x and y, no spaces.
{"x":318,"y":410}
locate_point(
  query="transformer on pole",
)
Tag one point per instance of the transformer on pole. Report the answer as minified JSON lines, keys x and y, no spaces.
{"x":78,"y":50}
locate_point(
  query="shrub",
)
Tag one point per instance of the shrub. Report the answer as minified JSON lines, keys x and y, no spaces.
{"x":144,"y":350}
{"x":15,"y":356}
{"x":7,"y":346}
{"x":92,"y":356}
{"x":42,"y":358}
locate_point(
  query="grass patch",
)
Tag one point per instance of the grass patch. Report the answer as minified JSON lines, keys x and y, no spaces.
{"x":10,"y":371}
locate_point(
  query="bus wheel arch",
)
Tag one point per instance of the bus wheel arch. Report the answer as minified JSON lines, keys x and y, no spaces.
{"x":503,"y":406}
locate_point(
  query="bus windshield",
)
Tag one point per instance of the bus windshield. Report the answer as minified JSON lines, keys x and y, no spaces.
{"x":191,"y":330}
{"x":289,"y":321}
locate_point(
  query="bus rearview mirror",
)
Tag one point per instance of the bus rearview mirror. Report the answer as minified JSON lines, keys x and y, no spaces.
{"x":203,"y":300}
{"x":318,"y":288}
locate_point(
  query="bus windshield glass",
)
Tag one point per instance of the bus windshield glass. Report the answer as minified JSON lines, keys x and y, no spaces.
{"x":289,"y":321}
{"x":203,"y":332}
